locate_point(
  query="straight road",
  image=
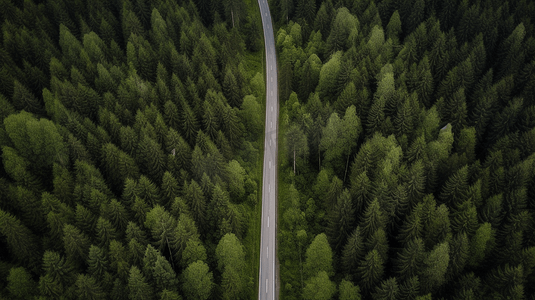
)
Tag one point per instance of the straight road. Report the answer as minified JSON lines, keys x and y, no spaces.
{"x":268,"y":276}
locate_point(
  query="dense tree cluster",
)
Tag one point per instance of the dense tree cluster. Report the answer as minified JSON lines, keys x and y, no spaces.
{"x":409,"y":151}
{"x":129,"y":137}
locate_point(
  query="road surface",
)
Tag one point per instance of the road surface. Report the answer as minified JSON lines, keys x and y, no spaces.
{"x":268,"y":275}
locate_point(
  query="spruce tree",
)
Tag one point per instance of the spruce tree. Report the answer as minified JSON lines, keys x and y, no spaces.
{"x":370,"y":270}
{"x":138,"y":288}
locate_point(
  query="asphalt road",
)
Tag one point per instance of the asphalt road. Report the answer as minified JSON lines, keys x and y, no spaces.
{"x":268,"y":275}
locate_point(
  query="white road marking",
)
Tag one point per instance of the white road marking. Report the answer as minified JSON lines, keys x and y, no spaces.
{"x":268,"y":221}
{"x":271,"y":124}
{"x":267,"y":252}
{"x":270,"y":142}
{"x":272,"y":108}
{"x":266,"y":285}
{"x":270,"y":164}
{"x":270,"y":187}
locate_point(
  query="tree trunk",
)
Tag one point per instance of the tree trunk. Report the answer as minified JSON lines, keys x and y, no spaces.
{"x":232,"y":14}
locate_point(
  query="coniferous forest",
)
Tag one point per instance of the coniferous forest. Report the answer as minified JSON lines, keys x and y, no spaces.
{"x":408,"y":163}
{"x":130,"y":136}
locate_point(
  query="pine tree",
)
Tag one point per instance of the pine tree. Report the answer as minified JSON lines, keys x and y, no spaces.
{"x":76,"y":244}
{"x":373,"y":219}
{"x":186,"y":230}
{"x":388,"y":289}
{"x":434,"y":269}
{"x":116,"y":213}
{"x":464,"y":219}
{"x":97,"y":262}
{"x":459,"y":252}
{"x":480,"y":243}
{"x":162,"y":225}
{"x":340,"y":221}
{"x":20,"y":283}
{"x":164,"y":275}
{"x":85,"y":219}
{"x":370,"y":270}
{"x":88,"y":288}
{"x":456,"y":188}
{"x":353,"y":251}
{"x":105,"y":232}
{"x":410,"y":259}
{"x":23,"y":99}
{"x":189,"y":122}
{"x":196,"y":201}
{"x":57,"y":270}
{"x":343,"y":29}
{"x":194,"y":251}
{"x":138,"y":288}
{"x":20,"y":240}
{"x":409,"y":289}
{"x":152,"y":158}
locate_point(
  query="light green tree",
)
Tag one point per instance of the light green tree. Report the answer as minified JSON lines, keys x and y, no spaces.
{"x":36,"y":140}
{"x":197,"y":281}
{"x":319,"y":257}
{"x":138,"y":287}
{"x":339,"y":137}
{"x":319,"y":287}
{"x":348,"y":291}
{"x":436,"y":263}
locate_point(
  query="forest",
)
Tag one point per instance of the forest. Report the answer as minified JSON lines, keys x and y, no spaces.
{"x":130,"y":137}
{"x":407,"y":169}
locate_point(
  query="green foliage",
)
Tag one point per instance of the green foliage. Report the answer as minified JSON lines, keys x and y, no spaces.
{"x":319,"y":287}
{"x":118,"y":118}
{"x":348,"y":291}
{"x":36,"y":140}
{"x":197,"y":281}
{"x":319,"y":257}
{"x":20,"y":283}
{"x":138,"y":288}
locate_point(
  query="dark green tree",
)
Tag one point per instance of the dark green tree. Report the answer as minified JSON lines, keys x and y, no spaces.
{"x":340,"y":220}
{"x":373,"y":219}
{"x":353,"y":252}
{"x":410,"y":259}
{"x":388,"y":289}
{"x":196,"y":202}
{"x":21,"y":242}
{"x":88,"y":288}
{"x":20,"y":283}
{"x":370,"y":270}
{"x":97,"y":262}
